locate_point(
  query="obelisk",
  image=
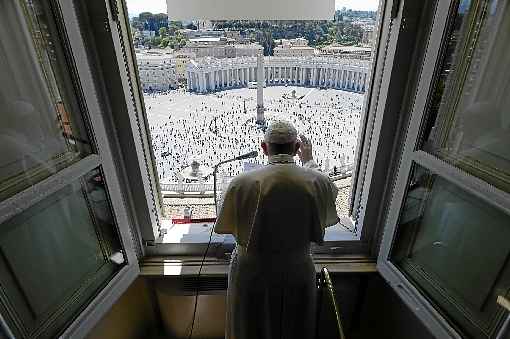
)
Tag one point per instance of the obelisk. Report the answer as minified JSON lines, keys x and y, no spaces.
{"x":260,"y":89}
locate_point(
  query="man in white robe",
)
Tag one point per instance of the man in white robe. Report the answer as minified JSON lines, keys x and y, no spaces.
{"x":274,"y":213}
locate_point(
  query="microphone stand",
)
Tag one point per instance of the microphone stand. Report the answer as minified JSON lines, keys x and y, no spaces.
{"x":249,"y":155}
{"x":215,"y":173}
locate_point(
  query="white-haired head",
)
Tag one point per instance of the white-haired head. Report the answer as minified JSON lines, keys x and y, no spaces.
{"x":280,"y":132}
{"x":281,"y":137}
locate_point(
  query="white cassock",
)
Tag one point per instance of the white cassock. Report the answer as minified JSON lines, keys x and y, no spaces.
{"x":274,"y":213}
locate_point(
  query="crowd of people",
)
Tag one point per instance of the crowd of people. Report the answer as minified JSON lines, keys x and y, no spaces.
{"x":218,"y":126}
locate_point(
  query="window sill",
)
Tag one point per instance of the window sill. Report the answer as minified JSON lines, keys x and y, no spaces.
{"x":190,"y":265}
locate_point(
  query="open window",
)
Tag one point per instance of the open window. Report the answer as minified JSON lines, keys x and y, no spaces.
{"x":193,"y":83}
{"x":64,"y":234}
{"x":445,"y":249}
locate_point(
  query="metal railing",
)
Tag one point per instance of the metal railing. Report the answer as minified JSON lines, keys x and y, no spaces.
{"x":327,"y":293}
{"x":181,"y":187}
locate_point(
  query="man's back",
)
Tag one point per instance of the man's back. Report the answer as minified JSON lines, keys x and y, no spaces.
{"x":274,"y":213}
{"x":278,"y":208}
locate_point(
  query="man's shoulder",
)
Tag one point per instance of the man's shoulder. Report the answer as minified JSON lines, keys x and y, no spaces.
{"x":248,"y":177}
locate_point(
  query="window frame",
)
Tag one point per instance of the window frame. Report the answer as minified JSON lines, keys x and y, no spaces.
{"x":411,"y":156}
{"x":367,"y":236}
{"x":65,"y":15}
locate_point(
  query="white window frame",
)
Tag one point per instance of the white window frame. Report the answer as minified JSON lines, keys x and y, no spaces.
{"x":23,"y":200}
{"x":411,"y":155}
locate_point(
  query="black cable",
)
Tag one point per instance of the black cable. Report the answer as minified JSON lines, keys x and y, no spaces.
{"x":215,"y":172}
{"x":203,"y":258}
{"x":198,"y":282}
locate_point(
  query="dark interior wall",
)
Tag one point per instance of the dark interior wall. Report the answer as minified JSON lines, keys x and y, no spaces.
{"x":133,"y":316}
{"x":368,"y":307}
{"x":384,"y":316}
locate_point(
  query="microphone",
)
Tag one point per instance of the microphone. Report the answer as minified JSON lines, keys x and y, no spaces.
{"x":248,"y":155}
{"x":252,"y":154}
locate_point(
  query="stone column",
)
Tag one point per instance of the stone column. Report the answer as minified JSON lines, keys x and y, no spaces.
{"x":201,"y":82}
{"x":188,"y":81}
{"x":260,"y":89}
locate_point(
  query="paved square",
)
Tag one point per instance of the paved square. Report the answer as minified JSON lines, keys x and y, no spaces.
{"x":213,"y":127}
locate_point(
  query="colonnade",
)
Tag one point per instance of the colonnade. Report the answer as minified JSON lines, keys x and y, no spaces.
{"x":210,"y":75}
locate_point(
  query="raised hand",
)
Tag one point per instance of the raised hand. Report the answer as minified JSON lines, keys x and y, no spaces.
{"x":305,"y":150}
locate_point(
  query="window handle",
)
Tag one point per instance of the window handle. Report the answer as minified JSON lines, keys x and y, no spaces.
{"x":504,"y":302}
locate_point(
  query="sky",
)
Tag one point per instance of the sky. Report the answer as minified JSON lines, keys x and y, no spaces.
{"x":159,"y":6}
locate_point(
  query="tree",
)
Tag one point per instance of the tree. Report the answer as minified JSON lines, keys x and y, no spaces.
{"x":163,"y":32}
{"x":164,"y":42}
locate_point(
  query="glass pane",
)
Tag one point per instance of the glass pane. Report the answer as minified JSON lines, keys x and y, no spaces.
{"x":54,"y":256}
{"x":41,"y":128}
{"x":455,"y":248}
{"x":469,"y":122}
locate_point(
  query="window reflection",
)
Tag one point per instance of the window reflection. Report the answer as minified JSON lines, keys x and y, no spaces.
{"x":470,"y":124}
{"x":440,"y":246}
{"x":57,"y":251}
{"x":41,"y":130}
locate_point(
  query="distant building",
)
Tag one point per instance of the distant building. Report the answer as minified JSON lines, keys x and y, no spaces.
{"x":206,"y":46}
{"x":157,"y":71}
{"x":248,"y":50}
{"x":148,"y":34}
{"x":235,"y":35}
{"x":297,"y":51}
{"x":181,"y":60}
{"x":349,"y":52}
{"x":368,"y":35}
{"x":220,"y":47}
{"x":291,"y":42}
{"x":201,"y":33}
{"x":293,"y":48}
{"x":211,"y":74}
{"x":203,"y":24}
